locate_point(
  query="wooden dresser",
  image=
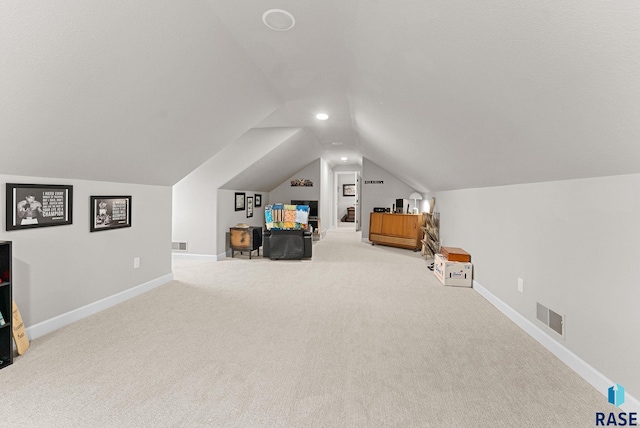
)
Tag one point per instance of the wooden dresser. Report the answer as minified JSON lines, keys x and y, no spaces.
{"x":351,"y":214}
{"x":397,"y":230}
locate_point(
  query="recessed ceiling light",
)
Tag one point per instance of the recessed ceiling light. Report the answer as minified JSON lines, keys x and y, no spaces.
{"x":322,"y":116}
{"x":344,"y":158}
{"x":278,"y":19}
{"x":337,"y":143}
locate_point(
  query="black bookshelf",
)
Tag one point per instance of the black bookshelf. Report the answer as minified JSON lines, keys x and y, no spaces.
{"x":6,"y":346}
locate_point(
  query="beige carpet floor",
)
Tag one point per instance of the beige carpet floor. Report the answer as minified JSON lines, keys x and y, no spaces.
{"x":358,"y":336}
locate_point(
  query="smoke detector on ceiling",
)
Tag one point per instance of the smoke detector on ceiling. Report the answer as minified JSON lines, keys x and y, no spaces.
{"x":278,"y":19}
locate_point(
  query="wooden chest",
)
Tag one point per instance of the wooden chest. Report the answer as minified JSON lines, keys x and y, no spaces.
{"x":455,"y":254}
{"x":351,"y":214}
{"x":245,"y":239}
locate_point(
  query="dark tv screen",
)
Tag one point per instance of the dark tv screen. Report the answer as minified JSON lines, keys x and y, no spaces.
{"x":313,"y":206}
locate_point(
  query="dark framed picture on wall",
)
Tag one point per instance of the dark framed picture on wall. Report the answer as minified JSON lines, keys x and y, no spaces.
{"x":239,"y":201}
{"x":348,"y":190}
{"x":258,"y":200}
{"x":110,"y":212}
{"x":38,"y":205}
{"x":249,"y":206}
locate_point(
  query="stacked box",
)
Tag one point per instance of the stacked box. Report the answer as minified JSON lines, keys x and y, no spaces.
{"x":452,"y":273}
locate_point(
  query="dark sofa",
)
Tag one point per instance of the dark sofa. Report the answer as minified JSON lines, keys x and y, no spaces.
{"x":287,"y":244}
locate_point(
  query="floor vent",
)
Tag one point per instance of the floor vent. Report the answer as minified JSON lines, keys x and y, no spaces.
{"x":179,"y":246}
{"x":551,"y":319}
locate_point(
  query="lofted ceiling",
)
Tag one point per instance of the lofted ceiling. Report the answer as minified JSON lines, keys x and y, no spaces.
{"x":444,"y":95}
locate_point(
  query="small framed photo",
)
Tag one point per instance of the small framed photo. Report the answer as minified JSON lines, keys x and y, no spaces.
{"x":110,"y":212}
{"x":38,"y":205}
{"x":348,"y":190}
{"x":302,"y":182}
{"x":239,"y":201}
{"x":258,"y":200}
{"x":249,"y":206}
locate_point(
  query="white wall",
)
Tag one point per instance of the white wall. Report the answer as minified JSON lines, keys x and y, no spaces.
{"x":326,"y":208}
{"x":320,"y":172}
{"x":60,"y":269}
{"x":285,"y":192}
{"x":575,"y":244}
{"x":195,"y":197}
{"x":379,"y":195}
{"x":228,"y":217}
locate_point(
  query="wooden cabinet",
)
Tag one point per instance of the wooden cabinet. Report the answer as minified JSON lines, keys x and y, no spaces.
{"x":375,"y":224}
{"x":6,"y":346}
{"x":397,"y":230}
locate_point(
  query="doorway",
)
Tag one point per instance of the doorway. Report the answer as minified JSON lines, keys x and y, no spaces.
{"x":346,"y":199}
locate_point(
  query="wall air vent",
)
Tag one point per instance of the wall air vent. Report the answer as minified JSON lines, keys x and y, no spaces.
{"x":551,"y":319}
{"x":179,"y":246}
{"x":543,"y":314}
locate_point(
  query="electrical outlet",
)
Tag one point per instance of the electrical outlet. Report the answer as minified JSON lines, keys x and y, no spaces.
{"x":521,"y":285}
{"x":136,"y":262}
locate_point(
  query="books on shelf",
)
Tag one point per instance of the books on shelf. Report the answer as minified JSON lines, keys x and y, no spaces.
{"x":2,"y":321}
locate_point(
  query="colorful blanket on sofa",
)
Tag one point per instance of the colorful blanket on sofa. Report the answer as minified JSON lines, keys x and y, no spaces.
{"x":286,"y":217}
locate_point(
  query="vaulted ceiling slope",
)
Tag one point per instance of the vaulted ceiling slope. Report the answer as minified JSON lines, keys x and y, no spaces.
{"x":140,"y":91}
{"x":445,"y":95}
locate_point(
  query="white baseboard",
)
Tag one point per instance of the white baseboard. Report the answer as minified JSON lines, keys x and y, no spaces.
{"x":190,"y":256}
{"x":599,"y":381}
{"x":52,"y":324}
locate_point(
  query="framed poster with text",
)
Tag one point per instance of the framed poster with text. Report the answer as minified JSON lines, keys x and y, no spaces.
{"x":110,"y":212}
{"x":38,"y":205}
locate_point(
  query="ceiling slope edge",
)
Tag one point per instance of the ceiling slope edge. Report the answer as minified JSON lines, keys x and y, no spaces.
{"x":237,"y":156}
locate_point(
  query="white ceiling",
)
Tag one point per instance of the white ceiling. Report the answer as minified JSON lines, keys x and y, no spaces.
{"x":443,"y":94}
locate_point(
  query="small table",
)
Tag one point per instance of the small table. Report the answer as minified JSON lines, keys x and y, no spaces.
{"x":315,"y":223}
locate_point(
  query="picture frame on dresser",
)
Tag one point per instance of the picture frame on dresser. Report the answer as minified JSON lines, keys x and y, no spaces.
{"x":110,"y":212}
{"x":38,"y":205}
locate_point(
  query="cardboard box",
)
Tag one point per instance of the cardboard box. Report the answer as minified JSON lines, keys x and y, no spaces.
{"x":458,"y":274}
{"x":455,"y":254}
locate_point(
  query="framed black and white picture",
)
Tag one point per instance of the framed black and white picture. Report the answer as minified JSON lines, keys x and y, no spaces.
{"x":302,"y":182}
{"x":110,"y":212}
{"x":38,"y":205}
{"x":249,"y":206}
{"x":348,"y":190}
{"x":239,"y":201}
{"x":258,"y":200}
